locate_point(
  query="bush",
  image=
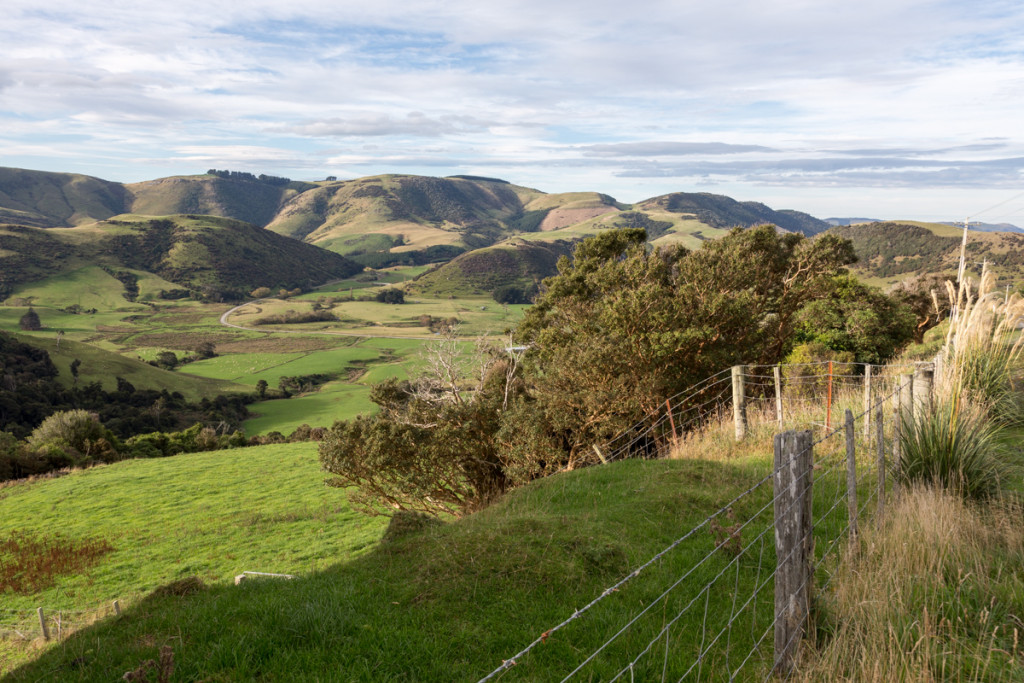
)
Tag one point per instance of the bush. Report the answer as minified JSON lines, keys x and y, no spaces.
{"x":30,"y":321}
{"x":77,"y":434}
{"x":390,"y":295}
{"x":953,"y":446}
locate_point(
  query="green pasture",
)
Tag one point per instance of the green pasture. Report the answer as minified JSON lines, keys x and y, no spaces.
{"x":249,"y":368}
{"x":89,"y":287}
{"x":103,"y":366}
{"x":211,"y":515}
{"x":334,"y":401}
{"x":443,"y":602}
{"x":478,"y":316}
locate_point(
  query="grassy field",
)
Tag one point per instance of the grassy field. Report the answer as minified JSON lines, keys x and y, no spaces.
{"x":211,"y":515}
{"x":444,"y":603}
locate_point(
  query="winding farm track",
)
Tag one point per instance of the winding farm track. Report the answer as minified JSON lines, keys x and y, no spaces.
{"x":229,"y":312}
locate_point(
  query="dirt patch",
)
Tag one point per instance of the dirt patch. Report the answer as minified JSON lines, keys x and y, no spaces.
{"x":563,"y":218}
{"x":184,"y":341}
{"x":277,"y":345}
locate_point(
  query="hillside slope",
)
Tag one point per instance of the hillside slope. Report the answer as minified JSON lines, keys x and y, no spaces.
{"x":248,"y":200}
{"x":719,"y":211}
{"x":896,"y":250}
{"x":513,"y":263}
{"x":219,"y":256}
{"x":43,"y":199}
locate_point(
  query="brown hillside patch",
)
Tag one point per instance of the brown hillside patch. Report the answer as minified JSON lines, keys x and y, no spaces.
{"x":563,"y":218}
{"x":30,"y":563}
{"x":277,"y":345}
{"x":184,"y":341}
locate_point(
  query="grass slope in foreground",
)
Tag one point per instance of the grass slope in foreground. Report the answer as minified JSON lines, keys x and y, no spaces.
{"x":448,"y":602}
{"x":211,"y":515}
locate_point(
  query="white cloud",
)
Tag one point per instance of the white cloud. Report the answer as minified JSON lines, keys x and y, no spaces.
{"x":603,"y":92}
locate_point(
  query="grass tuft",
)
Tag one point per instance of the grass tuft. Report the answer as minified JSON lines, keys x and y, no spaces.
{"x":954,"y":446}
{"x":933,"y":593}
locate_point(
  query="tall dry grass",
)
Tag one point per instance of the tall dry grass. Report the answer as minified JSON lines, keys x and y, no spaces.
{"x":936,"y":593}
{"x":983,"y":348}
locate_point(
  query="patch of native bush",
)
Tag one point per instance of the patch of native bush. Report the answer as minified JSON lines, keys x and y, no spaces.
{"x":30,"y":563}
{"x":296,"y":317}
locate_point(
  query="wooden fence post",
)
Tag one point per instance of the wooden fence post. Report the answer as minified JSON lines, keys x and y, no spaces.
{"x":867,"y":404}
{"x":828,"y":408}
{"x":924,"y":376}
{"x":851,"y":473}
{"x":778,"y":395}
{"x":117,"y":608}
{"x":879,"y":435}
{"x":794,"y":543}
{"x":42,"y":624}
{"x":907,"y":398}
{"x":739,"y":401}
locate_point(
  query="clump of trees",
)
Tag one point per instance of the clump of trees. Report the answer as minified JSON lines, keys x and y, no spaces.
{"x":30,"y":321}
{"x":616,"y":332}
{"x":390,"y":295}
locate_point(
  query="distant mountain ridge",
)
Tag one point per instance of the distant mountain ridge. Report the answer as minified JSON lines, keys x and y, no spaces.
{"x":471,"y":211}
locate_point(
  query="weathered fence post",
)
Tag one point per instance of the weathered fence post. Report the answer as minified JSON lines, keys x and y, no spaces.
{"x":42,"y":624}
{"x":879,"y":435}
{"x":867,"y":404}
{"x":924,"y":376}
{"x":851,"y":473}
{"x":794,"y":543}
{"x":117,"y":608}
{"x":828,"y":408}
{"x":778,"y":395}
{"x":907,"y":398}
{"x":739,"y":401}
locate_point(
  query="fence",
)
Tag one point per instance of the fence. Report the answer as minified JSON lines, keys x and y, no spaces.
{"x":50,"y":624}
{"x":733,"y":595}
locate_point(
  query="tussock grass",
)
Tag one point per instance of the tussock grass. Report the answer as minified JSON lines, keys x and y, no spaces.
{"x":936,"y":592}
{"x":954,"y":446}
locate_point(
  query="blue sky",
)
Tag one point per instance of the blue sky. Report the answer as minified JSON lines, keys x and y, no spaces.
{"x":883,"y":109}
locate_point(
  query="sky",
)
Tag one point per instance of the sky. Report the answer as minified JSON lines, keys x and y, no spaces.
{"x":876,"y":108}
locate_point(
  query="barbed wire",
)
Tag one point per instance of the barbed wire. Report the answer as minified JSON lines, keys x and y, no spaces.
{"x":840,"y":494}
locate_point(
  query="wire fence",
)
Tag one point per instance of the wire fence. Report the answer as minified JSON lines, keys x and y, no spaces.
{"x":50,"y":623}
{"x":715,"y":603}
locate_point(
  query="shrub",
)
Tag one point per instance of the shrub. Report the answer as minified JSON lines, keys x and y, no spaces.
{"x":953,"y":446}
{"x":390,"y":295}
{"x":76,"y":433}
{"x":30,"y":321}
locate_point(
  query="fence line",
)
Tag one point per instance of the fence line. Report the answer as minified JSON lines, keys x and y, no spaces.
{"x":833,"y":523}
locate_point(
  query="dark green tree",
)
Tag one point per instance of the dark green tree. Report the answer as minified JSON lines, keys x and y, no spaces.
{"x":30,"y":321}
{"x":390,"y":295}
{"x":621,"y":328}
{"x":261,"y":388}
{"x":856,"y":318}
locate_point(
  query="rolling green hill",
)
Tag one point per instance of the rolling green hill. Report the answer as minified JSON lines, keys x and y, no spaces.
{"x":220,"y":257}
{"x":719,"y":211}
{"x":516,"y":262}
{"x":246,"y":200}
{"x":43,"y":199}
{"x":892,"y":251}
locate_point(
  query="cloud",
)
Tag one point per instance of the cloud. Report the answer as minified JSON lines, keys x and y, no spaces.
{"x":650,"y":149}
{"x":372,"y":125}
